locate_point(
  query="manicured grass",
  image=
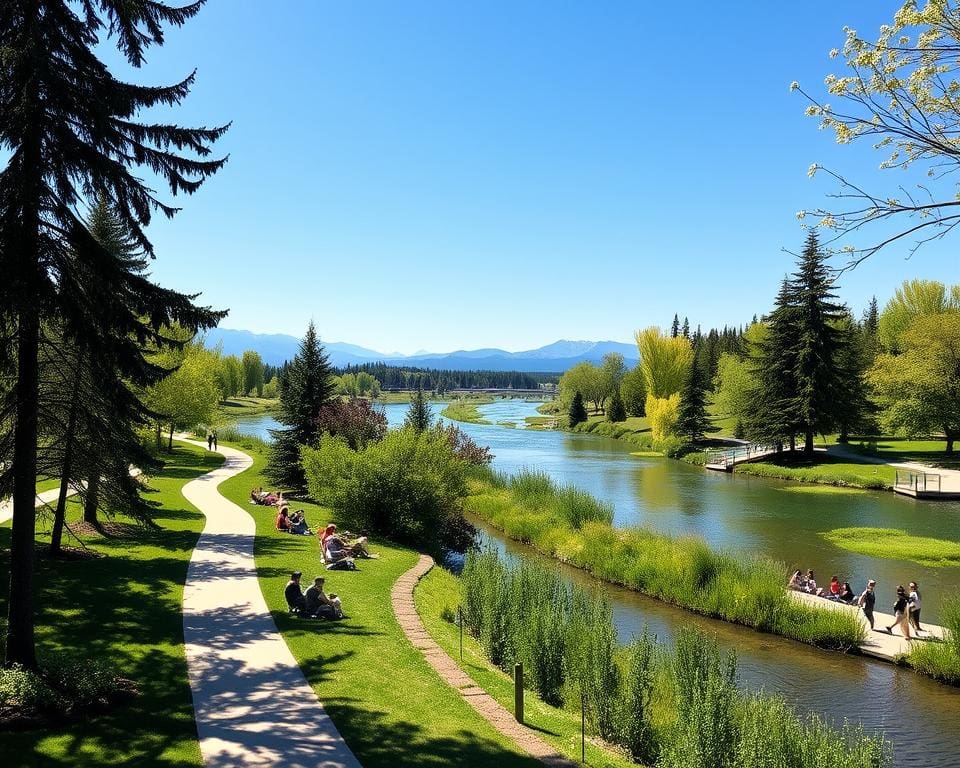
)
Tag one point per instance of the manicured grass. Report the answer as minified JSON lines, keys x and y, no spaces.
{"x":896,"y":545}
{"x":237,"y":407}
{"x":123,"y":609}
{"x":822,"y":490}
{"x":825,"y":470}
{"x":439,"y":591}
{"x":680,"y":570}
{"x":388,"y":703}
{"x":47,"y":484}
{"x":895,"y":449}
{"x":465,"y":411}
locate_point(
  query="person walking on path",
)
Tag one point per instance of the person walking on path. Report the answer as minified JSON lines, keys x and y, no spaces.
{"x":900,"y":611}
{"x":913,"y":605}
{"x":214,"y":435}
{"x":209,"y":441}
{"x":867,"y":600}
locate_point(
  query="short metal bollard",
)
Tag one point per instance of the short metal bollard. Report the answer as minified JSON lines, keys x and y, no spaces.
{"x":518,"y":691}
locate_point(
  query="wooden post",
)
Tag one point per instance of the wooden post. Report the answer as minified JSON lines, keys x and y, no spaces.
{"x":518,"y":691}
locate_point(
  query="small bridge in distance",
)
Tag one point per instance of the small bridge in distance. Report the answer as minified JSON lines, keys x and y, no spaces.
{"x":728,"y":458}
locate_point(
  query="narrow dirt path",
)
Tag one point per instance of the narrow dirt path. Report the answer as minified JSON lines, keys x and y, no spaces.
{"x":252,"y":703}
{"x":401,"y":598}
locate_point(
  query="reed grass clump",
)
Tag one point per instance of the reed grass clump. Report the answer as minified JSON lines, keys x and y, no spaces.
{"x":673,"y":709}
{"x":941,"y":660}
{"x":574,"y":527}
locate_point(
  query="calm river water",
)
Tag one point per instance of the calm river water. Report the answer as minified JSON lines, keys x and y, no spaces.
{"x":920,"y":717}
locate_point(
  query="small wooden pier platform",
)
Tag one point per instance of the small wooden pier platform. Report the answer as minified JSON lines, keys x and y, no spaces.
{"x":926,"y":485}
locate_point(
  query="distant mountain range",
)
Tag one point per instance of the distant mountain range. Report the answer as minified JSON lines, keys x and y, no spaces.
{"x":552,"y":358}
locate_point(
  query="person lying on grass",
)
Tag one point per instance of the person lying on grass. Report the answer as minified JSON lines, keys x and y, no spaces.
{"x":321,"y":605}
{"x":337,"y":547}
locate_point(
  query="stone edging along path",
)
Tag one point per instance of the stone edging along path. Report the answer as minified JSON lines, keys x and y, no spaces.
{"x":252,"y":703}
{"x":401,"y":598}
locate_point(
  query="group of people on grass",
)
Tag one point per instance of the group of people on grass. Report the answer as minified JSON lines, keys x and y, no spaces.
{"x":315,"y":603}
{"x":906,"y":608}
{"x":264,"y":498}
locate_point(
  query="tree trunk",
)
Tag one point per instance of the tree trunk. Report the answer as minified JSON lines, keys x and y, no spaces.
{"x":793,"y":442}
{"x":90,"y":503}
{"x":27,"y":282}
{"x":60,"y":514}
{"x":844,"y":437}
{"x":808,"y":442}
{"x":950,"y":438}
{"x":159,"y":446}
{"x":170,"y":441}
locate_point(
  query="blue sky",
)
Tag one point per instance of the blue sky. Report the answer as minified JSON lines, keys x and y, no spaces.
{"x":448,"y":175}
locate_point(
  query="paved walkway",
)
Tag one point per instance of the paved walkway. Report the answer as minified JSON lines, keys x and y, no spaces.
{"x":6,"y":506}
{"x":252,"y":703}
{"x":880,"y":645}
{"x":949,"y":478}
{"x":489,"y":708}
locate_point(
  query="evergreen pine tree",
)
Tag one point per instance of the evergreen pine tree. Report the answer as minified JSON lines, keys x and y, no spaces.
{"x":675,"y":327}
{"x":871,"y":318}
{"x":686,"y":328}
{"x":820,"y":381}
{"x":578,"y":411}
{"x":71,"y":132}
{"x":306,"y":384}
{"x":693,"y":421}
{"x":616,"y":411}
{"x":418,"y":418}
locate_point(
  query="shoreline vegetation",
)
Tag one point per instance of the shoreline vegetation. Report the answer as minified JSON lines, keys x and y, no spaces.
{"x":572,"y":526}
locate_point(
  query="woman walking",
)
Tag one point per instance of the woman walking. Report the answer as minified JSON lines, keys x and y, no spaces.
{"x":900,"y":618}
{"x":913,"y":604}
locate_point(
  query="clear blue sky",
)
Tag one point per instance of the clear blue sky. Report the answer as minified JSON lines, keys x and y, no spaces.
{"x":445,"y":175}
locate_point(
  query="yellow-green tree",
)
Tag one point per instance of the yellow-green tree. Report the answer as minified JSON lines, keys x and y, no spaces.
{"x":663,"y":413}
{"x":913,"y":299}
{"x":664,"y":360}
{"x":918,"y":390}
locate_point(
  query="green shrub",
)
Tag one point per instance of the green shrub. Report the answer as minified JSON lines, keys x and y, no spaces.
{"x":408,"y":488}
{"x":941,"y":660}
{"x":635,"y":718}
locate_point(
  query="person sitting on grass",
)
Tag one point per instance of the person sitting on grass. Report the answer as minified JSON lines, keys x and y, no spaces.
{"x":296,"y":602}
{"x":320,"y":605}
{"x":337,"y":547}
{"x":298,"y":522}
{"x":834,"y":592}
{"x":283,"y":521}
{"x":810,"y":584}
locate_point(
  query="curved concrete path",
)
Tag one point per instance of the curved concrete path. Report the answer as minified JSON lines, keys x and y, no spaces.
{"x":252,"y":703}
{"x":6,"y":506}
{"x":401,"y":598}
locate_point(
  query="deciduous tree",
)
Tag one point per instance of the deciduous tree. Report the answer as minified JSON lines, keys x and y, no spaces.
{"x":665,"y":361}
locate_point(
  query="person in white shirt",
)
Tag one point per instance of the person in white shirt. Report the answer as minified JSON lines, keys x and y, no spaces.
{"x":913,"y":605}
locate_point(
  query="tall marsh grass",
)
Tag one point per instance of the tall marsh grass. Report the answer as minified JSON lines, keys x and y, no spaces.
{"x":576,"y":528}
{"x":941,"y":660}
{"x":675,"y":709}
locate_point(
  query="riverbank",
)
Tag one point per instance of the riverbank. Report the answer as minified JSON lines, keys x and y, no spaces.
{"x":116,"y":599}
{"x":466,"y":411}
{"x":569,"y":525}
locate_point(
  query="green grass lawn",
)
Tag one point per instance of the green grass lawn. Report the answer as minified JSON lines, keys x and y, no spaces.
{"x":47,"y":484}
{"x":896,"y":545}
{"x":895,"y":449}
{"x":466,"y":411}
{"x":125,"y":610}
{"x":440,"y":590}
{"x":388,"y":703}
{"x":825,"y":470}
{"x":237,"y":407}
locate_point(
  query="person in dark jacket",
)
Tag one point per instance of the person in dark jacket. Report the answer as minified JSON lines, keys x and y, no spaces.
{"x":294,"y":595}
{"x":867,"y":600}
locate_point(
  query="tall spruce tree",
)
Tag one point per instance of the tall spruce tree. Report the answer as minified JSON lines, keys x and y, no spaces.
{"x":675,"y":327}
{"x":820,"y":381}
{"x":306,"y":385}
{"x":693,"y":421}
{"x":72,"y":134}
{"x":616,"y":411}
{"x":578,"y":411}
{"x":418,"y":418}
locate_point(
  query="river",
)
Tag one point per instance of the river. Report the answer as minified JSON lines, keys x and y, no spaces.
{"x":920,"y":717}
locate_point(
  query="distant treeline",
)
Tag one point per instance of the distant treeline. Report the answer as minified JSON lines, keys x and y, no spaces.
{"x":439,"y":380}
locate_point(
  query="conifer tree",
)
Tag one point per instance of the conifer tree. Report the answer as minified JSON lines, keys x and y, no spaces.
{"x":686,"y":328}
{"x":693,"y":421}
{"x":578,"y":411}
{"x":675,"y":327}
{"x":306,"y":385}
{"x":71,"y":132}
{"x":616,"y":411}
{"x":418,"y":418}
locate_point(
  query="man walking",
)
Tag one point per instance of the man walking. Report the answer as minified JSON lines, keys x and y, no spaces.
{"x":214,"y":435}
{"x":867,"y":600}
{"x":209,"y":441}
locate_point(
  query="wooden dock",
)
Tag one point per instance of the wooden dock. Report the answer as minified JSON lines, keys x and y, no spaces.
{"x":878,"y":644}
{"x":926,"y":485}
